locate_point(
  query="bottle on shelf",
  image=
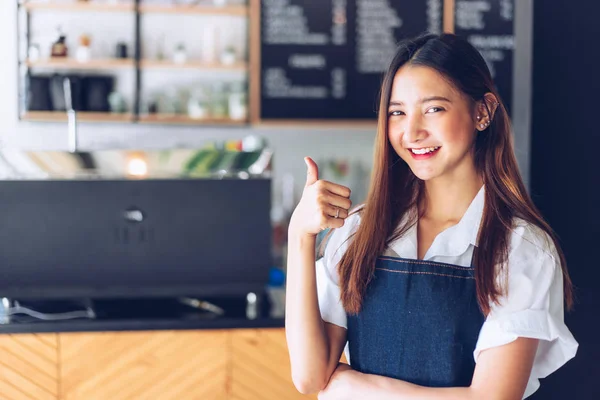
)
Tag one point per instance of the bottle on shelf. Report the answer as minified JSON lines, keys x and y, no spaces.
{"x":180,"y":55}
{"x":209,"y":40}
{"x":84,"y":53}
{"x":117,"y":103}
{"x":238,"y":103}
{"x":160,"y":48}
{"x":228,"y":56}
{"x":59,"y":48}
{"x":276,"y":292}
{"x":121,"y":50}
{"x":219,"y":101}
{"x":197,"y":104}
{"x":33,"y":54}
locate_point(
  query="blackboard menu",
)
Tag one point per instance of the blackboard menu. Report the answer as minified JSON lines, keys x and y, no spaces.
{"x":325,"y":59}
{"x":489,"y":26}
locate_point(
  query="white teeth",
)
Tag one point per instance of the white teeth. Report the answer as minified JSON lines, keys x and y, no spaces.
{"x":424,"y":150}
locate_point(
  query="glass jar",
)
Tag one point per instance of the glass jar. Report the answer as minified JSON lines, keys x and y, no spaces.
{"x":198,"y":104}
{"x":219,"y":101}
{"x":238,"y":102}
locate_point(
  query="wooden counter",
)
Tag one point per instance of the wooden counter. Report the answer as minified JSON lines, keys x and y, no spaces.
{"x":240,"y":364}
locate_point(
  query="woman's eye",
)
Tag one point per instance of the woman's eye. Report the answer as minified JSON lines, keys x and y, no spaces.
{"x":435,"y":109}
{"x":395,"y":113}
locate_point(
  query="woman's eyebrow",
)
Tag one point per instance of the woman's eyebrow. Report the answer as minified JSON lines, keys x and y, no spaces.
{"x":423,"y":100}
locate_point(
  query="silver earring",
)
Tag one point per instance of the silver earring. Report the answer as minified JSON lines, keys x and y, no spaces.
{"x":478,"y":117}
{"x":482,"y":126}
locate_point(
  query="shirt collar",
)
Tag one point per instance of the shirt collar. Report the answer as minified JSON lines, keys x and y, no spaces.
{"x":453,"y":241}
{"x":471,"y":221}
{"x":406,"y":245}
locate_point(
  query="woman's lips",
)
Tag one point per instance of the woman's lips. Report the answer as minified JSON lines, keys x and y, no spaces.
{"x":425,"y":154}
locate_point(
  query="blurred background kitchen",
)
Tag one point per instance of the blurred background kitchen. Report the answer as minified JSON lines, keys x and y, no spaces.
{"x":151,"y":155}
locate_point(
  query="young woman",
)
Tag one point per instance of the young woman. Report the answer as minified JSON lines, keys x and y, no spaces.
{"x":447,"y":283}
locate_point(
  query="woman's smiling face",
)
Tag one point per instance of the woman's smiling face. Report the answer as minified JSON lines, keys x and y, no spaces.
{"x":432,"y":125}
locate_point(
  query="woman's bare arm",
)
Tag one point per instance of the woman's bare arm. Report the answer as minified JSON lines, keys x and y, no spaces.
{"x":501,"y":373}
{"x":314,"y":346}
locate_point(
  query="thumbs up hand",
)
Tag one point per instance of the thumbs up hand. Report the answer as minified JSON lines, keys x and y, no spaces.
{"x":323,"y":204}
{"x":312,"y":171}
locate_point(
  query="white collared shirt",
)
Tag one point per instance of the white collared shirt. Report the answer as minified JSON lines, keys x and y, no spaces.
{"x":532,"y":307}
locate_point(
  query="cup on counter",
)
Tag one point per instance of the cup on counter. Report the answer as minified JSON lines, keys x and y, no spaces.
{"x":117,"y":103}
{"x":121,"y":50}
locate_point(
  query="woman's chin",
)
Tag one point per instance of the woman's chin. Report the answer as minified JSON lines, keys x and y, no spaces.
{"x":425,"y":175}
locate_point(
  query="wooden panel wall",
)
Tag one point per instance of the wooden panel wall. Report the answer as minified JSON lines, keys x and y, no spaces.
{"x":29,"y":367}
{"x":261,"y":366}
{"x":182,"y":365}
{"x":244,"y":364}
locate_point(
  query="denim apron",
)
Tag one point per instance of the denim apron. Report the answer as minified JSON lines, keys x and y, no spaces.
{"x":419,"y":322}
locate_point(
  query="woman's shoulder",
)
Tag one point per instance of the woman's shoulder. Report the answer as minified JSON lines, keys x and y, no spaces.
{"x":528,"y":236}
{"x":531,"y":249}
{"x":532,"y":303}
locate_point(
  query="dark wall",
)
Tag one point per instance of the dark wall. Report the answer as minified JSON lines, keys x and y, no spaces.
{"x":565,"y":171}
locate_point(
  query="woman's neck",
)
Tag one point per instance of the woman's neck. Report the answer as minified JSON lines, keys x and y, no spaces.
{"x":447,"y":201}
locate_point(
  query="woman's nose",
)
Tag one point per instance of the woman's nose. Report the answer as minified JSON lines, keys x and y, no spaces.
{"x":413,"y":131}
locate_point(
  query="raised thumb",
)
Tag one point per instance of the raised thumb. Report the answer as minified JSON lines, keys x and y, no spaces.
{"x":312,"y":172}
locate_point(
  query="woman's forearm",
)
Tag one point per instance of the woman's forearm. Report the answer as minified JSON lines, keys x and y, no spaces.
{"x":382,"y":388}
{"x":501,"y":373}
{"x":347,"y":384}
{"x":305,"y":331}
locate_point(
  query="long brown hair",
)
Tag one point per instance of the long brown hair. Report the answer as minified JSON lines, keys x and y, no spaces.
{"x":395,"y":190}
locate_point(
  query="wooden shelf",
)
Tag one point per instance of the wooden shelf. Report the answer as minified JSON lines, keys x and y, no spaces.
{"x":317,"y":123}
{"x":70,"y":63}
{"x":166,"y":64}
{"x":61,"y":116}
{"x":185,"y":120}
{"x":233,"y":10}
{"x":79,"y":6}
{"x":194,"y":9}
